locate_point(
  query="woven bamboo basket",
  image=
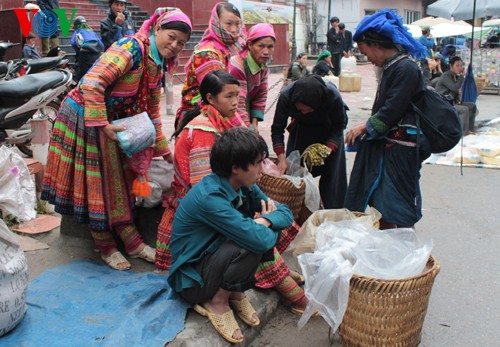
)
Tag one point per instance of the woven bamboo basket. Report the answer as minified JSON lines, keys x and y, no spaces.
{"x":284,"y":192}
{"x":387,"y":312}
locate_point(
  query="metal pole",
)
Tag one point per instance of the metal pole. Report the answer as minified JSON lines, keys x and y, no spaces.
{"x":472,"y":36}
{"x":294,"y":43}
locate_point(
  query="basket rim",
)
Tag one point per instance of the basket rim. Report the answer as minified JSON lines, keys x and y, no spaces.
{"x":302,"y":182}
{"x":435,"y":267}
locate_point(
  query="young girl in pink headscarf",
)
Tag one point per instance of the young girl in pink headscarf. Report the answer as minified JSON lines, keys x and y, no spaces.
{"x":250,"y":69}
{"x":87,"y":175}
{"x":223,"y":39}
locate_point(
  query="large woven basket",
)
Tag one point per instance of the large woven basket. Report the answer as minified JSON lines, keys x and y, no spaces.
{"x":387,"y":312}
{"x":284,"y":192}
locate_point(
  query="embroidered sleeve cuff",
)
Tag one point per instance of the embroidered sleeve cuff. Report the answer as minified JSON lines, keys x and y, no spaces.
{"x":279,"y":149}
{"x":331,"y":144}
{"x":376,"y":127}
{"x":101,"y":123}
{"x":257,"y":114}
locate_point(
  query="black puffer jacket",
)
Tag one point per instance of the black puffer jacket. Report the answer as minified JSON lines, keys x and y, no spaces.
{"x":112,"y":32}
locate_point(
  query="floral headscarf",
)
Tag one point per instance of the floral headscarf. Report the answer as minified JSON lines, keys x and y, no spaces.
{"x":220,"y":38}
{"x":164,"y":15}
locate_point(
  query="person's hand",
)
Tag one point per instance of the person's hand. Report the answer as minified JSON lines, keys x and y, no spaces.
{"x":120,"y":18}
{"x":267,"y":208}
{"x":110,"y":130}
{"x":354,"y":133}
{"x":255,"y":124}
{"x":282,"y":164}
{"x":169,"y":157}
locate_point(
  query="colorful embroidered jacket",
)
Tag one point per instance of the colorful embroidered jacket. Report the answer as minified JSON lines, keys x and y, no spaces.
{"x":202,"y":61}
{"x":253,"y":87}
{"x":118,"y":88}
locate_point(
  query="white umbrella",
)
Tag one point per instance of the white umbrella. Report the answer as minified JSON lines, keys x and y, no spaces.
{"x":414,"y":30}
{"x":464,"y":9}
{"x":446,"y":29}
{"x":430,"y":21}
{"x":492,"y":23}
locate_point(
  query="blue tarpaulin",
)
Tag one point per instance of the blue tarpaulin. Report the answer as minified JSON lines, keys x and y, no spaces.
{"x":89,"y":304}
{"x":469,"y":90}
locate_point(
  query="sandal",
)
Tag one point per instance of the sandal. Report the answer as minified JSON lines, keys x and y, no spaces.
{"x":225,"y":323}
{"x":114,"y":259}
{"x":147,"y":254}
{"x":245,"y":311}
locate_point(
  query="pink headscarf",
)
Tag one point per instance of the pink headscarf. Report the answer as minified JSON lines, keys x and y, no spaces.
{"x":256,"y":32}
{"x":222,"y":40}
{"x":164,"y":15}
{"x":259,"y":31}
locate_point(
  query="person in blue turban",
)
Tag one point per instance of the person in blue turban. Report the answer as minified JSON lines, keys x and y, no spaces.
{"x":387,"y":166}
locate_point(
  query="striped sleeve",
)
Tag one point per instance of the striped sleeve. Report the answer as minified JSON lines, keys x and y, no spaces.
{"x":114,"y":63}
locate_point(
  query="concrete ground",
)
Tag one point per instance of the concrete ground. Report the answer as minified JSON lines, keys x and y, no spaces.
{"x":460,"y":213}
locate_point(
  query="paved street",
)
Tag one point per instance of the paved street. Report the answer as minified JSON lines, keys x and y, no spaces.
{"x":461,"y":213}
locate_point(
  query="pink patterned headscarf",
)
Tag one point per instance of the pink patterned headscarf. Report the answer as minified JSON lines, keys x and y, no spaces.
{"x":164,"y":15}
{"x":222,"y":40}
{"x":259,"y":31}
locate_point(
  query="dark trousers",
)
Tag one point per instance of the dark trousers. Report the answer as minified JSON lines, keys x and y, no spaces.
{"x":336,"y":63}
{"x":230,"y":267}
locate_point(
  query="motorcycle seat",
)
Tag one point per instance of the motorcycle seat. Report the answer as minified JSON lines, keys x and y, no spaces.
{"x":4,"y":67}
{"x":42,"y":64}
{"x":30,"y":85}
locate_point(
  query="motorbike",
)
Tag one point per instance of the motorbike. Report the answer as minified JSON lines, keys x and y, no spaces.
{"x":26,"y":97}
{"x":19,"y":67}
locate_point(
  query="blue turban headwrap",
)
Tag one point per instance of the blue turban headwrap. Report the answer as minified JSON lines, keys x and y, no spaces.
{"x":389,"y":25}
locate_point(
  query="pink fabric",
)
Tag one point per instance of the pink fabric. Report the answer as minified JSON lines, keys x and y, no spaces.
{"x":219,"y":38}
{"x":259,"y":31}
{"x":164,"y":15}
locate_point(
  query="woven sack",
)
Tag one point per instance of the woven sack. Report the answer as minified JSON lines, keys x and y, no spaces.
{"x":283,"y":191}
{"x":387,"y":312}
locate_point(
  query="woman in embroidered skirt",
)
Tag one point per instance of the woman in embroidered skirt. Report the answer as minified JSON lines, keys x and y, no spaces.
{"x":194,"y":139}
{"x":386,"y":171}
{"x":87,"y":175}
{"x":250,"y":69}
{"x":223,"y":39}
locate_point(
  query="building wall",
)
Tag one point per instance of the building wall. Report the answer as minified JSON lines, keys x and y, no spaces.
{"x":351,"y":12}
{"x":400,"y":5}
{"x":4,"y":4}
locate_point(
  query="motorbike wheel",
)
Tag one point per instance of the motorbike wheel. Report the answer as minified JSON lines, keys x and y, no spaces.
{"x":49,"y":111}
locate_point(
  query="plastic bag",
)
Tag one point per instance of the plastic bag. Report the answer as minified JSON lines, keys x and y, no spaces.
{"x":296,"y":173}
{"x":270,"y":168}
{"x":160,"y":175}
{"x":306,"y":238}
{"x":353,"y":246}
{"x":17,"y":189}
{"x":140,"y":133}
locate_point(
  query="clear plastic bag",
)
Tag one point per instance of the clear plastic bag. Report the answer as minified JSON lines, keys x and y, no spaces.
{"x":296,"y":173}
{"x":17,"y":189}
{"x":353,"y":246}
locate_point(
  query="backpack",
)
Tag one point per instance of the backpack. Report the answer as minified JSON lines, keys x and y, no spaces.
{"x":438,"y":120}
